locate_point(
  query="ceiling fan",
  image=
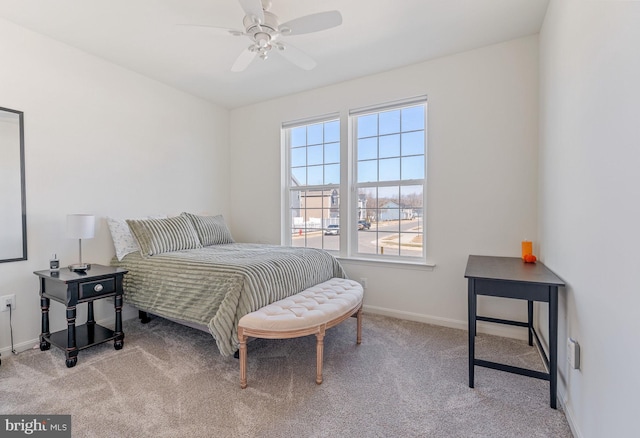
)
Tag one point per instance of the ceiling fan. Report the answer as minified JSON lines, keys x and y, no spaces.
{"x":264,"y":30}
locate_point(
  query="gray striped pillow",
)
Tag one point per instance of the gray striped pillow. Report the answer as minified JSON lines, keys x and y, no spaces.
{"x":212,"y":230}
{"x":156,"y":236}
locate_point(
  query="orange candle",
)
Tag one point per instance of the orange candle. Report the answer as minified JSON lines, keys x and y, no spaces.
{"x":527,"y":248}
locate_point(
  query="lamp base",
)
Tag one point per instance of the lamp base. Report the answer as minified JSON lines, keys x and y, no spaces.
{"x":79,"y":267}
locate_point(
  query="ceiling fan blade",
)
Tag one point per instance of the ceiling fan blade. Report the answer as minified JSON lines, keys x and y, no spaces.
{"x":296,"y":56}
{"x":253,"y":8}
{"x":215,"y":29}
{"x":311,"y":23}
{"x":243,"y":61}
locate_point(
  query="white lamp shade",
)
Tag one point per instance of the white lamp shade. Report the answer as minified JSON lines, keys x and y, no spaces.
{"x":81,"y":226}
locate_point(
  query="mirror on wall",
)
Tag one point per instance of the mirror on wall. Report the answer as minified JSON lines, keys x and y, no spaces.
{"x":13,"y":214}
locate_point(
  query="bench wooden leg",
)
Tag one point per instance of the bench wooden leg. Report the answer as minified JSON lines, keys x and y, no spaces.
{"x":243,"y":359}
{"x":319,"y":354}
{"x":359,"y":325}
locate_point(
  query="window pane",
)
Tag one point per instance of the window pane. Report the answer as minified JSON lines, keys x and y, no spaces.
{"x":389,"y":146}
{"x":388,"y":243}
{"x":368,"y":148}
{"x":367,"y":203}
{"x":389,"y":122}
{"x":390,"y":169}
{"x":299,"y":136}
{"x":314,"y":155}
{"x":413,"y":143}
{"x":388,"y":211}
{"x":389,"y":194}
{"x":367,"y":126}
{"x":332,"y":174}
{"x":314,"y":162}
{"x":314,"y":134}
{"x":413,"y":167}
{"x":314,"y":215}
{"x":332,"y":200}
{"x":332,"y":153}
{"x":413,"y":118}
{"x":411,"y":196}
{"x":299,"y":176}
{"x":367,"y":171}
{"x":332,"y":131}
{"x":331,"y":242}
{"x":298,"y":157}
{"x":314,"y":175}
{"x":297,"y":209}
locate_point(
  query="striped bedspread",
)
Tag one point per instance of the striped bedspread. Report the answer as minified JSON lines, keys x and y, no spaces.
{"x":217,"y":285}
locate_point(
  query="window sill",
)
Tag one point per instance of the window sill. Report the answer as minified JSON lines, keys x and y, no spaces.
{"x":401,"y":264}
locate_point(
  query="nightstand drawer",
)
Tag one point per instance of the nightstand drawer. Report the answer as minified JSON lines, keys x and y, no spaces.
{"x":96,"y":288}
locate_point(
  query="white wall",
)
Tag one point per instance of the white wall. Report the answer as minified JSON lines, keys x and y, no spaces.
{"x":589,"y":203}
{"x":99,"y":139}
{"x":482,"y":172}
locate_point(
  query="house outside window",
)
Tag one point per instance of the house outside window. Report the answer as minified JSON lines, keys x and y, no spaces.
{"x":383,"y":191}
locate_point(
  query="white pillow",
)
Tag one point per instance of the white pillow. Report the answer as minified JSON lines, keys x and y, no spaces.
{"x":123,"y":240}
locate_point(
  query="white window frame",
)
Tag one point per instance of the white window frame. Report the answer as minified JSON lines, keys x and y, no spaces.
{"x":288,"y":188}
{"x":348,"y":181}
{"x":353,"y":200}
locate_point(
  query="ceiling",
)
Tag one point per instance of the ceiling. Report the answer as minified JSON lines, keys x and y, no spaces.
{"x":147,"y":36}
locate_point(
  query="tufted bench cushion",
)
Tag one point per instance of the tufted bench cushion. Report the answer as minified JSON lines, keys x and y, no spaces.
{"x":311,"y":311}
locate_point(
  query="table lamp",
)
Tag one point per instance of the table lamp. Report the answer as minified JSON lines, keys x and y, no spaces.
{"x":80,"y":226}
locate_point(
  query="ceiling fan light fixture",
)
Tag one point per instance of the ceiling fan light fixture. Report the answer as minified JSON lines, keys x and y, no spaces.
{"x":262,"y":39}
{"x":264,"y":29}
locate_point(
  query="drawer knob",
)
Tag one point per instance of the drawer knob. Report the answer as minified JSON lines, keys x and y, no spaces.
{"x":98,"y":287}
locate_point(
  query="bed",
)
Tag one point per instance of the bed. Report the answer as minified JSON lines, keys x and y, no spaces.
{"x":189,"y":269}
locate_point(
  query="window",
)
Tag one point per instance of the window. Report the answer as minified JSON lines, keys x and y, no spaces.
{"x":314,"y":184}
{"x":389,"y":150}
{"x":383,"y":212}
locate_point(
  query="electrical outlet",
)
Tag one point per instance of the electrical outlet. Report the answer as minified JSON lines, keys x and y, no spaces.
{"x":6,"y":301}
{"x":573,"y":354}
{"x":363,"y":282}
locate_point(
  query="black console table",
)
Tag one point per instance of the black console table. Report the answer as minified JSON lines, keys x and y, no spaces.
{"x":511,"y":277}
{"x":72,"y":288}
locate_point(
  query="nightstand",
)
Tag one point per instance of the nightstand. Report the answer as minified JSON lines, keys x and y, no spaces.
{"x":73,"y":288}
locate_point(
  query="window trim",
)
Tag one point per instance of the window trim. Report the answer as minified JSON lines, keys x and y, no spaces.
{"x":354,"y":185}
{"x":348,"y":185}
{"x":285,"y":135}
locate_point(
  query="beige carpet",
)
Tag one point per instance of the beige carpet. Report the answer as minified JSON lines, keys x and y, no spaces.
{"x":406,"y":379}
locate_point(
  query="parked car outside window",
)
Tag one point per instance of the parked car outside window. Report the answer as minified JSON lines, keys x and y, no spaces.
{"x":364,"y":225}
{"x":332,"y":229}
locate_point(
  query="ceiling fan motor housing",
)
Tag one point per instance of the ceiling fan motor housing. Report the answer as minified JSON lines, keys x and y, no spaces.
{"x":261,"y":33}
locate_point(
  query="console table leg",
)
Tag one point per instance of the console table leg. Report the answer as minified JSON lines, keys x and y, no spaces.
{"x":472,"y":328}
{"x":530,"y":321}
{"x":553,"y":345}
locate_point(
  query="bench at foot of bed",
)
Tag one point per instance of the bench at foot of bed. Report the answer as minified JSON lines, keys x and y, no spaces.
{"x":309,"y":312}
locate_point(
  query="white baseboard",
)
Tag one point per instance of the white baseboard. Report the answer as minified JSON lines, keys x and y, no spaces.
{"x":568,"y":412}
{"x":488,"y":328}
